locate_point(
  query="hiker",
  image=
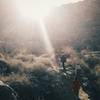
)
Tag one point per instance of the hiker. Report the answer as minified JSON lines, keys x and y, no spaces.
{"x":63,"y":61}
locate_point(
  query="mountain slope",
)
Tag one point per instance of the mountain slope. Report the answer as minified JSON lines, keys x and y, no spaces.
{"x":76,"y":24}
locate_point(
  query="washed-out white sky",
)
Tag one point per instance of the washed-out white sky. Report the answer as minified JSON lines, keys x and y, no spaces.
{"x":57,"y":2}
{"x":38,"y":7}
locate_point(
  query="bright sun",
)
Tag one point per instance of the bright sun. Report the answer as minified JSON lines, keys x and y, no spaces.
{"x":32,"y":9}
{"x":36,"y":9}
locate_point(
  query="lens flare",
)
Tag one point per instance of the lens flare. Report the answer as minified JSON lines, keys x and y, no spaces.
{"x":35,"y":9}
{"x":32,"y":9}
{"x":47,"y":42}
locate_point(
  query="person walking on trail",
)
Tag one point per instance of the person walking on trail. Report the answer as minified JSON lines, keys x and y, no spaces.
{"x":63,"y":59}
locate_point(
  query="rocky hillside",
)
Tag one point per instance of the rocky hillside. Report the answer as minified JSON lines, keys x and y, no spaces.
{"x":77,"y":24}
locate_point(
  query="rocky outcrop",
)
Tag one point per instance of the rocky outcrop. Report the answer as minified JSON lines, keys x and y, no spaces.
{"x":6,"y":92}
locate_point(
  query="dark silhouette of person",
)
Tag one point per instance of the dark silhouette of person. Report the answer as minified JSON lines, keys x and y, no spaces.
{"x":63,"y":59}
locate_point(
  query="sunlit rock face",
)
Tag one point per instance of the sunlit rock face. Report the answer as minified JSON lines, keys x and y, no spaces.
{"x":76,"y":24}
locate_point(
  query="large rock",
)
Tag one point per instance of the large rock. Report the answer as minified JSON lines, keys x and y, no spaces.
{"x":6,"y":92}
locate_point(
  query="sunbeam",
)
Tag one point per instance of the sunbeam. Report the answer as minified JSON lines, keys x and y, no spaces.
{"x":47,"y":42}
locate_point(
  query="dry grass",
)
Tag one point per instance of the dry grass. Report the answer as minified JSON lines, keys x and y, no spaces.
{"x":83,"y":95}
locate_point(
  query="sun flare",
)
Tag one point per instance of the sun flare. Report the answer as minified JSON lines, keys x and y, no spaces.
{"x":32,"y":9}
{"x":35,"y":9}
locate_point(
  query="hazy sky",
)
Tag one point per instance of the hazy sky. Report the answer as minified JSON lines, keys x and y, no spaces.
{"x":60,"y":2}
{"x":50,"y":2}
{"x":38,"y":7}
